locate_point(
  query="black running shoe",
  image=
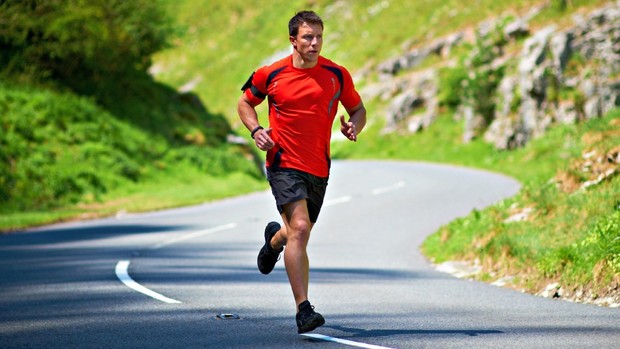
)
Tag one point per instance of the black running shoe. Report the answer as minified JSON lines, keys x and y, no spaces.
{"x":267,"y":257}
{"x":307,"y":318}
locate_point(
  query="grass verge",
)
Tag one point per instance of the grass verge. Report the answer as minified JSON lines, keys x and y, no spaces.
{"x":183,"y":185}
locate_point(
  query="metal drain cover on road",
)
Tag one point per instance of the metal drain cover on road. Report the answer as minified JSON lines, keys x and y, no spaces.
{"x":227,"y":316}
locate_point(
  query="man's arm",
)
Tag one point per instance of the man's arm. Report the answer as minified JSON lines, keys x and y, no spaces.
{"x":249,"y":117}
{"x":356,"y":123}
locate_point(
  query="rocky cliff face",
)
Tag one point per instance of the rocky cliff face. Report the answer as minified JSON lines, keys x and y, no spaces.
{"x":559,"y":76}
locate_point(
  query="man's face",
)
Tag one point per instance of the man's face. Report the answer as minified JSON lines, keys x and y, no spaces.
{"x":308,"y":41}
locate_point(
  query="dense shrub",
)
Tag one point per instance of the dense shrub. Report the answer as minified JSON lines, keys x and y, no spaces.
{"x":81,"y":42}
{"x":59,"y":148}
{"x":56,"y":148}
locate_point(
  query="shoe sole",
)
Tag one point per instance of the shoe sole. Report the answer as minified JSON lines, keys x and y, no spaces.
{"x":271,"y":229}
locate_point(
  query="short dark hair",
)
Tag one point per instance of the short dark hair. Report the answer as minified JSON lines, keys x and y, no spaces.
{"x":300,"y":17}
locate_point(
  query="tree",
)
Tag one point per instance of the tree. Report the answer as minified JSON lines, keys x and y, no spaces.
{"x":78,"y":42}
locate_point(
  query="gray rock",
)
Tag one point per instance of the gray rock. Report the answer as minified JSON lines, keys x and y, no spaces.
{"x":517,"y":28}
{"x":567,"y":112}
{"x":401,"y":107}
{"x":592,"y":107}
{"x":560,"y":46}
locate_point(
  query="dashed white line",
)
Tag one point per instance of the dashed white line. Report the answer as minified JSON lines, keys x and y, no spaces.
{"x":392,"y":187}
{"x":194,"y":235}
{"x":343,"y":341}
{"x":336,"y":201}
{"x":123,"y":275}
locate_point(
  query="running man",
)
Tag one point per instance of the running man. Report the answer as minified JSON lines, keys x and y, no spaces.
{"x":303,"y":91}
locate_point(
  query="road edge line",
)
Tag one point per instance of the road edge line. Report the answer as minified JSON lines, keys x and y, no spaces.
{"x":123,"y":275}
{"x":343,"y":341}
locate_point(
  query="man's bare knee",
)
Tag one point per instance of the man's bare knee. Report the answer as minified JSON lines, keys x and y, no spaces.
{"x":299,"y":230}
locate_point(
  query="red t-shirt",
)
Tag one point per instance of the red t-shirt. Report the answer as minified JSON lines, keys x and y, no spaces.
{"x":302,"y":107}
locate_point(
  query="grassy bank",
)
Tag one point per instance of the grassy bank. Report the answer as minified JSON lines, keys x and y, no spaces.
{"x":66,"y":157}
{"x":558,"y":229}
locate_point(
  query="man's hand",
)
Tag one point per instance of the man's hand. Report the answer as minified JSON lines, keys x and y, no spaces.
{"x":263,"y":140}
{"x":348,"y":129}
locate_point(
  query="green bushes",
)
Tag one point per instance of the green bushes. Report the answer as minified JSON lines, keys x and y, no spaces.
{"x":57,"y":148}
{"x":216,"y":162}
{"x":60,"y":149}
{"x":451,"y":87}
{"x":81,"y":42}
{"x":93,"y":121}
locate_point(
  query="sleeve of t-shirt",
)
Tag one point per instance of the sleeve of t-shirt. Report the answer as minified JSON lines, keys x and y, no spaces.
{"x":257,"y":89}
{"x":350,"y":97}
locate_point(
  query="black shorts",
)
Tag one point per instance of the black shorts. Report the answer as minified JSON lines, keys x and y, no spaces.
{"x":288,"y":186}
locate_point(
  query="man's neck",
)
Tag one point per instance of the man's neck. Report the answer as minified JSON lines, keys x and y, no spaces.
{"x":300,"y":63}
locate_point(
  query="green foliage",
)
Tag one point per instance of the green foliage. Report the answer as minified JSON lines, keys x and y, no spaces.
{"x":480,"y":85}
{"x":81,"y":42}
{"x":451,"y":89}
{"x":216,"y":162}
{"x":561,"y":5}
{"x":587,"y":259}
{"x":59,"y":147}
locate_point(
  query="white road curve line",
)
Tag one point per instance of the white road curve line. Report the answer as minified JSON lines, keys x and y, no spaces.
{"x":123,"y":275}
{"x":344,"y":341}
{"x":392,"y":187}
{"x":336,"y":201}
{"x":194,"y":235}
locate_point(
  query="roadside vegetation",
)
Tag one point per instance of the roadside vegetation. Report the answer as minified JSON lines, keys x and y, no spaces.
{"x":110,"y":142}
{"x":86,"y":132}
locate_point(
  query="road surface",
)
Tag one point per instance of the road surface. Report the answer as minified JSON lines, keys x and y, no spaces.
{"x":160,"y":280}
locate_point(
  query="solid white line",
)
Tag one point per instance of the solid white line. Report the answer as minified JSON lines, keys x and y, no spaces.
{"x":194,"y":235}
{"x":392,"y":187}
{"x":340,"y":200}
{"x":123,"y":275}
{"x":344,"y":341}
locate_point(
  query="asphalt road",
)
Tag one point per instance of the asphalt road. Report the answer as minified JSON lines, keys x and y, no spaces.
{"x":159,"y":280}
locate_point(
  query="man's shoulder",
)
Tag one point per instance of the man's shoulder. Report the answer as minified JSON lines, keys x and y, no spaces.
{"x":265,"y":74}
{"x":279,"y":64}
{"x":328,"y":62}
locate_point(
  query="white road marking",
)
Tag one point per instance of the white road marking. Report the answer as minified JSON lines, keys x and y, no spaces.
{"x":343,"y":341}
{"x":392,"y":187}
{"x":336,"y":201}
{"x":123,"y":275}
{"x":194,"y":235}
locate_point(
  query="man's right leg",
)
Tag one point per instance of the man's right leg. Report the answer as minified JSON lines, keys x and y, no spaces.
{"x":295,"y":235}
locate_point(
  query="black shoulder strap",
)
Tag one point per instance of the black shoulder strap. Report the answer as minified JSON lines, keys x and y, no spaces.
{"x":248,"y":83}
{"x":255,"y":91}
